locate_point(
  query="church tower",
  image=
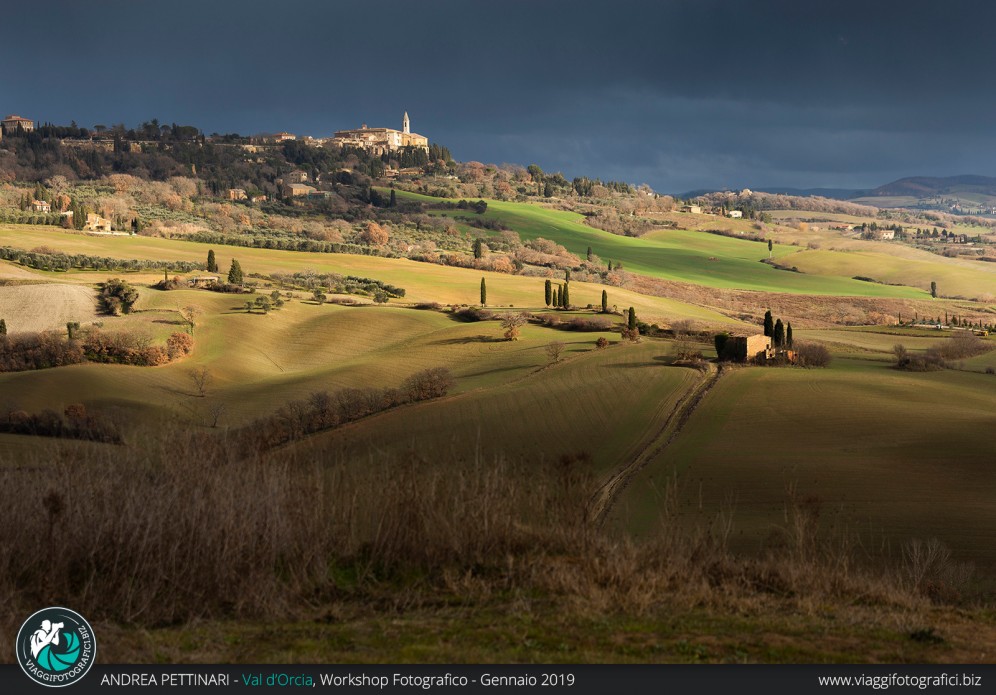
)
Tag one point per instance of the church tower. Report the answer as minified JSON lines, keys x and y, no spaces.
{"x":406,"y":126}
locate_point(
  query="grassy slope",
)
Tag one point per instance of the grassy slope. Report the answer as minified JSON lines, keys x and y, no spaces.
{"x":600,"y":402}
{"x":424,"y":282}
{"x":960,"y":278}
{"x":914,"y":461}
{"x":678,"y":254}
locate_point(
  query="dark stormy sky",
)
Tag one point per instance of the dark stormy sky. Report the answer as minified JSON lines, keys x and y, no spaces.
{"x":679,"y":95}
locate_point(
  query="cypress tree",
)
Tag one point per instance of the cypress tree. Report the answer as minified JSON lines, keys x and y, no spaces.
{"x":212,"y":264}
{"x":788,"y":335}
{"x":478,"y":246}
{"x":548,"y":292}
{"x":590,"y":254}
{"x":394,"y":199}
{"x":235,"y":273}
{"x":3,"y":327}
{"x":631,"y":324}
{"x":605,"y":302}
{"x":567,"y":294}
{"x":769,"y":324}
{"x":933,"y":289}
{"x":484,"y":293}
{"x":610,"y":266}
{"x":556,"y":296}
{"x":567,"y":275}
{"x":779,"y":336}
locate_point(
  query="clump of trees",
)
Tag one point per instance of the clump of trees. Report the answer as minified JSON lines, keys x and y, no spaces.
{"x":780,"y":334}
{"x":337,"y":284}
{"x":74,"y":423}
{"x":961,"y":345}
{"x":576,"y":323}
{"x":812,"y":355}
{"x":49,"y":259}
{"x":29,"y":351}
{"x":117,"y":296}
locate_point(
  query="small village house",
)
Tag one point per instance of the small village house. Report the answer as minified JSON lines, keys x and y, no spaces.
{"x":40,"y":206}
{"x":694,"y":209}
{"x":237,"y":194}
{"x":735,"y":214}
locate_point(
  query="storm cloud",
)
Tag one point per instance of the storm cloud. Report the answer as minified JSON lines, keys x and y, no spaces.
{"x":679,"y":95}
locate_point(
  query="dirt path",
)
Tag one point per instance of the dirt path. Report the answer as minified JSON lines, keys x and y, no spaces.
{"x":651,"y":447}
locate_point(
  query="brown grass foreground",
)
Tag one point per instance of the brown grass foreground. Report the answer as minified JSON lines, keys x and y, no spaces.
{"x":185,"y":530}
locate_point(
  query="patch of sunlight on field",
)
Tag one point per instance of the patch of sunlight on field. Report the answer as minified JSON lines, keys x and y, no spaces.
{"x":953,"y":277}
{"x":706,"y":259}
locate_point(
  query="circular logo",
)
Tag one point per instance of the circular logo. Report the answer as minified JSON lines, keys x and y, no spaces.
{"x":56,"y":647}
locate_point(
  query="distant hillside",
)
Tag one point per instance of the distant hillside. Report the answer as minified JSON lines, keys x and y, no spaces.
{"x":930,"y":186}
{"x":835,"y":193}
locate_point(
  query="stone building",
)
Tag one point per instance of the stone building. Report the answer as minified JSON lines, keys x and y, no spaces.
{"x":14,"y":123}
{"x":380,"y":140}
{"x":749,"y":348}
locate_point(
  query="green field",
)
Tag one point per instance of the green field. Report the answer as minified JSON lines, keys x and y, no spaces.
{"x":694,"y":257}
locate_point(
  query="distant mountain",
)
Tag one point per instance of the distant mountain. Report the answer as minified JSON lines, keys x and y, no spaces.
{"x":931,"y":186}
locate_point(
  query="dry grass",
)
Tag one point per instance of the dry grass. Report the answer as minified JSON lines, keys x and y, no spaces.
{"x":183,"y":530}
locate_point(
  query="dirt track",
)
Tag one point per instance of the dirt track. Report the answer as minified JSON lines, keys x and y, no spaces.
{"x":28,"y":308}
{"x":606,"y":494}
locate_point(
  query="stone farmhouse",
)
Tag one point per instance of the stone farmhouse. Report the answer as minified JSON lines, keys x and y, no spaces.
{"x":96,"y":223}
{"x":381,"y":140}
{"x":40,"y":206}
{"x":750,"y":348}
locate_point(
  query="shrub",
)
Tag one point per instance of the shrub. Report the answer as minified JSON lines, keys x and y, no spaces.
{"x":179,"y":345}
{"x":812,"y":355}
{"x":602,"y":343}
{"x":429,"y":383}
{"x":473,"y":313}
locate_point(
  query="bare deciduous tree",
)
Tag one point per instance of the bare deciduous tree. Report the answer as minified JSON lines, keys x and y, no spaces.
{"x":189,"y":315}
{"x":554,"y":350}
{"x":201,"y":378}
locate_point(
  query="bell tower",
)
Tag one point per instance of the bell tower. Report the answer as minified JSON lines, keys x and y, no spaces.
{"x":406,"y":125}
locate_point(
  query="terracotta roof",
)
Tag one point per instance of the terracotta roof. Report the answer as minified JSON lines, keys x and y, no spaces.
{"x":12,"y":117}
